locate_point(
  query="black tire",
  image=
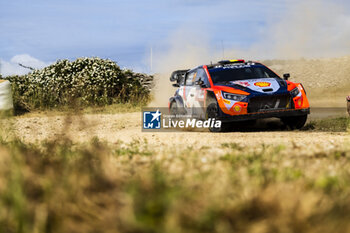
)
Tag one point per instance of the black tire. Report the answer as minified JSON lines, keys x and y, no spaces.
{"x":173,"y":108}
{"x":213,"y":112}
{"x":295,"y":122}
{"x":176,"y":111}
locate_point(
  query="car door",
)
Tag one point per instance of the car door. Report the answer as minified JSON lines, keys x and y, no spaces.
{"x":190,"y":90}
{"x":199,"y":89}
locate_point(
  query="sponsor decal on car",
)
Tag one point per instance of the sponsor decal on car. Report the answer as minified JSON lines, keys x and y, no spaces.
{"x":243,"y":84}
{"x":237,"y":108}
{"x":226,"y":101}
{"x":236,"y":66}
{"x":262,"y":84}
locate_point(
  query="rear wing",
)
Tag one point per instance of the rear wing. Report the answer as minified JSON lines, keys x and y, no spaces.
{"x":178,"y":75}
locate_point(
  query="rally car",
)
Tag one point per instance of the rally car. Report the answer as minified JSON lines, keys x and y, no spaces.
{"x":236,"y":90}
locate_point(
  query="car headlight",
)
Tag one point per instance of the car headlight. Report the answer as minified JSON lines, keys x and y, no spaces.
{"x":295,"y":92}
{"x":231,"y":96}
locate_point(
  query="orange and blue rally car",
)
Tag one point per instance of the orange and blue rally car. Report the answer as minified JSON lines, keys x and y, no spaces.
{"x":236,"y":90}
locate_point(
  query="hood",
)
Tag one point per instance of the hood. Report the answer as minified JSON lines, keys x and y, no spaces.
{"x":261,"y":85}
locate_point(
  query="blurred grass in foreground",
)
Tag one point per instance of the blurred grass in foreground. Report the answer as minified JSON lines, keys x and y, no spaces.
{"x":58,"y":186}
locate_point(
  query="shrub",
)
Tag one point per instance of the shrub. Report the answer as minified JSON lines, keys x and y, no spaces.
{"x":84,"y":82}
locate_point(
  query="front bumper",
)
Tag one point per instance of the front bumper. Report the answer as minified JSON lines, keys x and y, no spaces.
{"x":267,"y":114}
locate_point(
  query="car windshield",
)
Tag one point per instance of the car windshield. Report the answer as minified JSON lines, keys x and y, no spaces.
{"x":240,"y":72}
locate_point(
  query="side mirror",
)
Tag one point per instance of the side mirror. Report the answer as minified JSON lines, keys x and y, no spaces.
{"x":199,"y":83}
{"x":286,"y":76}
{"x":176,"y":85}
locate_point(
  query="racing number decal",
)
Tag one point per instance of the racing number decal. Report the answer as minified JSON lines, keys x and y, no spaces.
{"x":191,"y":96}
{"x":194,"y":97}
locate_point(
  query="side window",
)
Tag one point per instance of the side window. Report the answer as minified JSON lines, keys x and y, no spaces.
{"x":202,"y":75}
{"x":190,"y":78}
{"x":199,"y":75}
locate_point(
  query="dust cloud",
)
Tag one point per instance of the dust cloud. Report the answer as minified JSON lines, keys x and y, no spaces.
{"x":185,"y":52}
{"x":306,"y":29}
{"x":311,"y":41}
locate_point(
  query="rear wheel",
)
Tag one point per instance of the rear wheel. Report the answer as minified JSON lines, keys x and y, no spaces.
{"x":295,"y":122}
{"x":173,"y":108}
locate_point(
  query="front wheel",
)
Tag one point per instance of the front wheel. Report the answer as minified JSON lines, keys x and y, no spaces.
{"x":295,"y":122}
{"x":213,"y":113}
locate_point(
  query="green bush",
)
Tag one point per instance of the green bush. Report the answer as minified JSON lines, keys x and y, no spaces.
{"x":84,"y":82}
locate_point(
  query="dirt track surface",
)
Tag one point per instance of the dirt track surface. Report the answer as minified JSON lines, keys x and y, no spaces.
{"x":125,"y":128}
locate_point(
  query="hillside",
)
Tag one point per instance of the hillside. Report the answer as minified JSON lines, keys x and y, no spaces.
{"x":327,"y":81}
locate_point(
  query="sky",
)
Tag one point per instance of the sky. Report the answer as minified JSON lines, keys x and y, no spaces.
{"x":39,"y":32}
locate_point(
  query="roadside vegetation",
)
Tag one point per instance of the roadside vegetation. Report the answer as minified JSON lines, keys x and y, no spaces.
{"x":61,"y":186}
{"x":68,"y":110}
{"x":339,"y":124}
{"x":85,"y":82}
